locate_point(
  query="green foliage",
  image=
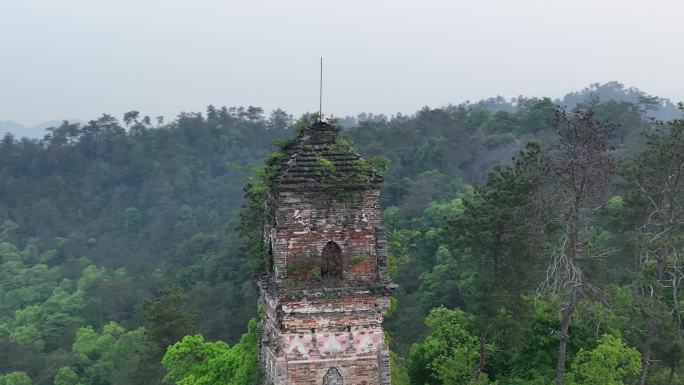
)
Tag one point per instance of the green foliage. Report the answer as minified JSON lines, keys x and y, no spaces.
{"x":315,"y":272}
{"x":359,"y":258}
{"x":44,"y":324}
{"x":611,"y":362}
{"x":305,"y":270}
{"x":448,"y":354}
{"x":89,"y":345}
{"x":342,"y":182}
{"x":342,"y":144}
{"x":193,"y":361}
{"x":15,"y":378}
{"x":379,"y":163}
{"x":7,"y":229}
{"x":155,"y":206}
{"x":114,"y":355}
{"x":398,"y":369}
{"x":496,"y":234}
{"x":252,"y":216}
{"x":166,"y":316}
{"x":325,"y":167}
{"x":148,"y":206}
{"x":66,"y":376}
{"x":399,"y":244}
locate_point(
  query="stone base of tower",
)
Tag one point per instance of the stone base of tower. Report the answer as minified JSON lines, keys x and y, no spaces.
{"x":368,"y":370}
{"x":332,"y":338}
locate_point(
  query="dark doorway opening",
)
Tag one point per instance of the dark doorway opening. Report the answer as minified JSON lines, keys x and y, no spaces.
{"x":331,"y":261}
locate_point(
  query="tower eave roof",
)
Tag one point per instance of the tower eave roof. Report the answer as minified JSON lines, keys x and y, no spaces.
{"x":316,"y":153}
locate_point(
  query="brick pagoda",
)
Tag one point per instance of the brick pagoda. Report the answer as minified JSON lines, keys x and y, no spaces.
{"x":326,"y":289}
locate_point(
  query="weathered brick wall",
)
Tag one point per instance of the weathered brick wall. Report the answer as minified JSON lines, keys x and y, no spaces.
{"x":303,"y":223}
{"x":359,"y":356}
{"x":307,"y":335}
{"x":356,"y":370}
{"x":332,"y":312}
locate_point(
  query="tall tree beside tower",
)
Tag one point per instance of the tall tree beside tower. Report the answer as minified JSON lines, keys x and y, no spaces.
{"x":582,"y":165}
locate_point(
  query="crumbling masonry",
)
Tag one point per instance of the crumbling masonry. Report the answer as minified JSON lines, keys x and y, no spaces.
{"x":326,"y":289}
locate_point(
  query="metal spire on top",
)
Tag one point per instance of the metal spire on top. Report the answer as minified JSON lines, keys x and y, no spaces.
{"x":320,"y":95}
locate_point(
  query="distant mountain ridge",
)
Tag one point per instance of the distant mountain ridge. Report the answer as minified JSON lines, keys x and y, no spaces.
{"x":654,"y":106}
{"x":33,"y":132}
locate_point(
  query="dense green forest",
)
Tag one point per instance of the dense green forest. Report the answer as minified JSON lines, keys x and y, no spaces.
{"x":517,"y":230}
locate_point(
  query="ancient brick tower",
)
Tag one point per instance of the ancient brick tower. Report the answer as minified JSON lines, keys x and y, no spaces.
{"x":326,"y":288}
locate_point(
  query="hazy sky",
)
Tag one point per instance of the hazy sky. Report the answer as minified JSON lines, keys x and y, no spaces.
{"x":80,"y":58}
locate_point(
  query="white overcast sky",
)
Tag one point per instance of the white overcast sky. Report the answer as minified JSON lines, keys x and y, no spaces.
{"x":81,"y":58}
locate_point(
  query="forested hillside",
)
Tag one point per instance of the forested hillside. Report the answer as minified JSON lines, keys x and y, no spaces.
{"x":120,"y":236}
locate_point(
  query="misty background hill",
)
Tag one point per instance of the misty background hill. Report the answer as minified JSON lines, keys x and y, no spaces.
{"x":658,"y":107}
{"x":34,"y":132}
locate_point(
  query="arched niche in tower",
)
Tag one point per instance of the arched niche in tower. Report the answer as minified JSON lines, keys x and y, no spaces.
{"x":333,"y":377}
{"x":331,"y":261}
